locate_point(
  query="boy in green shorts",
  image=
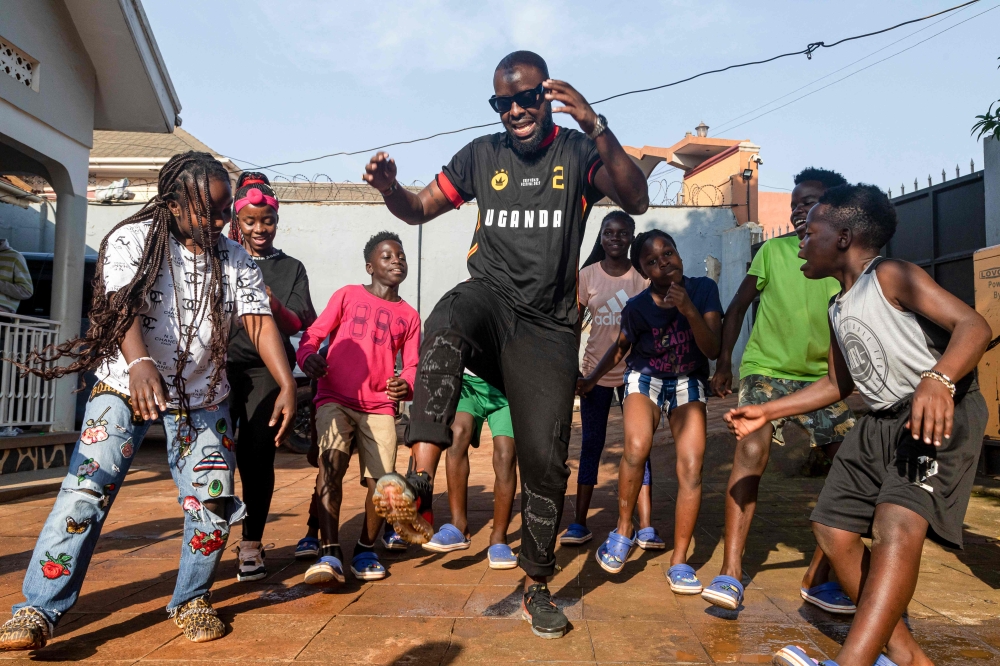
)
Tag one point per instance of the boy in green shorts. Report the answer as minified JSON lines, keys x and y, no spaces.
{"x":787,"y":351}
{"x":479,"y":402}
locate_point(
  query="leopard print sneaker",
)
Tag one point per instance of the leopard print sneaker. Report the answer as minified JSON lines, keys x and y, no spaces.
{"x":199,"y":621}
{"x":27,"y":630}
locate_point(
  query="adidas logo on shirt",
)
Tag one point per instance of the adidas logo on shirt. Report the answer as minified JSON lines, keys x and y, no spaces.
{"x":610,"y":314}
{"x":526,"y":219}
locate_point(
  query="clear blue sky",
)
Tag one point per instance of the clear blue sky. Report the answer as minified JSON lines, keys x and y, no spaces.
{"x":290,"y":79}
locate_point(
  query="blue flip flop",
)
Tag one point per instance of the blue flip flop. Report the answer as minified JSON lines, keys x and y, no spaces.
{"x":724,"y":592}
{"x":306,"y":548}
{"x":365,"y":566}
{"x":447,"y":539}
{"x":326,"y":571}
{"x":683,"y":579}
{"x":830,"y":597}
{"x":614,"y":552}
{"x":575,"y":535}
{"x":648,"y":539}
{"x":501,"y":557}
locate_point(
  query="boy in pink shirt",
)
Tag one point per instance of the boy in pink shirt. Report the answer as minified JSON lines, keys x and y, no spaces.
{"x":369,"y":326}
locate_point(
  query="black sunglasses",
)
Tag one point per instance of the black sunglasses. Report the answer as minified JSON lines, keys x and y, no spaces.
{"x":526,"y":99}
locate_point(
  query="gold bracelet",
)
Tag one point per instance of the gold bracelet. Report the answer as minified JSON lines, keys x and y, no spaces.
{"x":391,"y":190}
{"x":941,"y":377}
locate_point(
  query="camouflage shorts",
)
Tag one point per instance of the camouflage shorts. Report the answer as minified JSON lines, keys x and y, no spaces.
{"x":825,"y":426}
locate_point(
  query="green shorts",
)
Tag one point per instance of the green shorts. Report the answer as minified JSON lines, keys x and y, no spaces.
{"x":485,"y":403}
{"x":825,"y":426}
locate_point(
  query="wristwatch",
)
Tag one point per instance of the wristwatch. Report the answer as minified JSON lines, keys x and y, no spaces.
{"x":599,"y":127}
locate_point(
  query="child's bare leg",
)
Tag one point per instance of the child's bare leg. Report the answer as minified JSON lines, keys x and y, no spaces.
{"x":504,"y":488}
{"x":749,"y":463}
{"x":373,"y":522}
{"x":819,"y":568}
{"x":457,"y":470}
{"x":330,"y":490}
{"x":645,"y":506}
{"x":881,"y":582}
{"x":642,"y":416}
{"x":687,"y":424}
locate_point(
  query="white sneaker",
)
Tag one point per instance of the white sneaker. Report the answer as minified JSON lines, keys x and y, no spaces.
{"x":250,"y":560}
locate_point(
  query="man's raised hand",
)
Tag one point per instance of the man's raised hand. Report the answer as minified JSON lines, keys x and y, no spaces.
{"x":573,"y":103}
{"x":380,"y":171}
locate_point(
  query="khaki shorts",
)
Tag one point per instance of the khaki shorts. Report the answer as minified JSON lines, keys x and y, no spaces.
{"x":374,"y":434}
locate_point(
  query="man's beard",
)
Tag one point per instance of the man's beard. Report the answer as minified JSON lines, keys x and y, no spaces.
{"x":528,"y":147}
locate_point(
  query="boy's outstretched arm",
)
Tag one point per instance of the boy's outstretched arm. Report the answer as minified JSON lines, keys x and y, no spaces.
{"x":722,"y":381}
{"x":611,"y":358}
{"x":266,"y":338}
{"x":837,"y":385}
{"x":909,"y":288}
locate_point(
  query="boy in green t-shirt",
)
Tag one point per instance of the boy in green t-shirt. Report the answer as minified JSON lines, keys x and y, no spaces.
{"x":787,"y":351}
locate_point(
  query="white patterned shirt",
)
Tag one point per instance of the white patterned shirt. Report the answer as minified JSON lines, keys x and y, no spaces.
{"x":162,"y":321}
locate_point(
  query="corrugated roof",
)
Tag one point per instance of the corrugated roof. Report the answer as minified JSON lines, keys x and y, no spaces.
{"x":145,"y":144}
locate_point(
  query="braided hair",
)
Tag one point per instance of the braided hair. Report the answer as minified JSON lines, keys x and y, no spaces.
{"x":184,"y":179}
{"x":248,"y":180}
{"x":640,"y":241}
{"x":598,"y":254}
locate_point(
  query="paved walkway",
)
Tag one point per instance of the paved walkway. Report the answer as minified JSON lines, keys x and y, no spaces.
{"x":452,"y":609}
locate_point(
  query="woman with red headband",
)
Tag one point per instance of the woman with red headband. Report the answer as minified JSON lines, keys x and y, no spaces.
{"x":255,"y":222}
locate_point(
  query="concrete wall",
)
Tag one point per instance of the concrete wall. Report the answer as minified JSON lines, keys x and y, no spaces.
{"x":991,"y":177}
{"x":29,"y":229}
{"x":328,"y":239}
{"x":64,"y":99}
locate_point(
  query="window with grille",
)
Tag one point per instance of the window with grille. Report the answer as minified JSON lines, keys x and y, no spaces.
{"x":18,"y":65}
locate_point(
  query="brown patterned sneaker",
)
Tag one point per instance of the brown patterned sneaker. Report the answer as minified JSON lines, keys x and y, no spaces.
{"x":27,"y":630}
{"x":199,"y":621}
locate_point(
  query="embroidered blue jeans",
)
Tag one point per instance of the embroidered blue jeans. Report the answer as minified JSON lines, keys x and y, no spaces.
{"x":202,"y":459}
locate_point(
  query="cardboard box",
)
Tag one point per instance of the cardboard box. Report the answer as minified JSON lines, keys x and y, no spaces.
{"x":986,"y":264}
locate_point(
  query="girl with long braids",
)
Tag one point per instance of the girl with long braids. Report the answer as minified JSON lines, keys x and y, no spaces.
{"x":169,"y":291}
{"x":254,"y":389}
{"x":607,"y":281}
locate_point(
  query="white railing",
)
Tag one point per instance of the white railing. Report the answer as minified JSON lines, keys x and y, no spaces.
{"x":25,"y":400}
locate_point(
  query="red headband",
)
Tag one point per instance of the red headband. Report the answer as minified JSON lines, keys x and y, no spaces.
{"x":255,"y":197}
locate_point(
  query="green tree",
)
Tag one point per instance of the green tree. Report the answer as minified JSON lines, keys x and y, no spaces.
{"x":988,"y":124}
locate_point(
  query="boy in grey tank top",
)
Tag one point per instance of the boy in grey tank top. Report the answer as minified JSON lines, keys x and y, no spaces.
{"x":905,"y":471}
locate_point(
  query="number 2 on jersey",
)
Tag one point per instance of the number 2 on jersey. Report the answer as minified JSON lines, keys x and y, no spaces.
{"x":557,"y":178}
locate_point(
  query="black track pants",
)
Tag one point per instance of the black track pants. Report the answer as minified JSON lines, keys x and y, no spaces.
{"x":535,"y":367}
{"x":251,"y":402}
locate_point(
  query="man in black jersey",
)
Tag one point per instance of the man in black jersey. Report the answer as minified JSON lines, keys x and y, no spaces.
{"x":515,"y":322}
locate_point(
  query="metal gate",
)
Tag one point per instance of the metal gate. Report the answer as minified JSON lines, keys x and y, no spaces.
{"x":939,"y":229}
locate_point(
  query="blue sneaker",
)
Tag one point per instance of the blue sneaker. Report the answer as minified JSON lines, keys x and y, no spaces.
{"x":307,"y":548}
{"x":793,"y":655}
{"x":614,"y":552}
{"x":501,"y":557}
{"x":648,"y":539}
{"x":575,"y":535}
{"x":724,"y":592}
{"x":447,"y":539}
{"x":391,"y":540}
{"x":326,"y":571}
{"x":683,"y":579}
{"x":365,"y":566}
{"x":830,"y":597}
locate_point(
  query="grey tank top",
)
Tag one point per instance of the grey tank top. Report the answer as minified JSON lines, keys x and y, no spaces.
{"x":885,"y":349}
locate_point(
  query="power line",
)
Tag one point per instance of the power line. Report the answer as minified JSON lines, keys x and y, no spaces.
{"x":877,"y":62}
{"x":724,"y":126}
{"x":807,"y":51}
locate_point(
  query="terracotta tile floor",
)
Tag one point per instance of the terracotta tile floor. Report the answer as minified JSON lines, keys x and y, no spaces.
{"x":452,"y":609}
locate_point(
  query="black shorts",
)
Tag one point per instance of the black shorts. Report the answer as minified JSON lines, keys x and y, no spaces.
{"x":880,"y":461}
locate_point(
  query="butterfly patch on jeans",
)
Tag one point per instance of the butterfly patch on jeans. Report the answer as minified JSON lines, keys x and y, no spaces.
{"x":73,"y":527}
